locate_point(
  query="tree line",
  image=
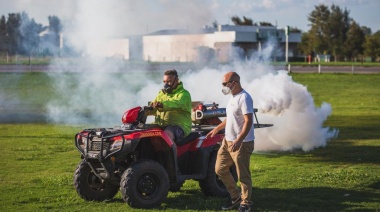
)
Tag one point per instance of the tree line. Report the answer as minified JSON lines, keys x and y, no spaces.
{"x":333,"y":32}
{"x":20,"y":34}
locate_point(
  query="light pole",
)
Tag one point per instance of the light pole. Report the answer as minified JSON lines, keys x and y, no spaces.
{"x":258,"y":37}
{"x":286,"y":44}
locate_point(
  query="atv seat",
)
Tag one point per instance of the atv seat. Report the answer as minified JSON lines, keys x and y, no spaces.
{"x":191,"y":137}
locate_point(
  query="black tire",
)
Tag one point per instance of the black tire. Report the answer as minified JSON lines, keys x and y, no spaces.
{"x":90,"y":187}
{"x":212,"y":185}
{"x":145,"y":184}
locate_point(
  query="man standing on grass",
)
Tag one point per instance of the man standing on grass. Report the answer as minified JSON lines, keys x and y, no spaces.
{"x":238,"y":143}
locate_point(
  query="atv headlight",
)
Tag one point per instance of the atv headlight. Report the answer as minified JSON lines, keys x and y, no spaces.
{"x":117,"y":144}
{"x":83,"y":145}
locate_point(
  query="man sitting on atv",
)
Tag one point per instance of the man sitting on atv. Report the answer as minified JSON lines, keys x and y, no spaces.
{"x":172,"y":107}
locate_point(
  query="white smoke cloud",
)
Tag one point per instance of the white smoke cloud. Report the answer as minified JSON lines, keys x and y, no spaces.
{"x":298,"y":123}
{"x":290,"y":107}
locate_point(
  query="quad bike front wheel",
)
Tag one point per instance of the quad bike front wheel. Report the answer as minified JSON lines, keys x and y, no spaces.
{"x":212,"y":185}
{"x":90,"y":187}
{"x":145,"y":184}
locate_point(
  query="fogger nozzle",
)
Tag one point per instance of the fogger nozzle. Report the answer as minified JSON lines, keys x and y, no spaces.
{"x":199,"y":114}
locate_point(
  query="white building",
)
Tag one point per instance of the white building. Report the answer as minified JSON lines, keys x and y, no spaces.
{"x":176,"y":47}
{"x":221,"y":44}
{"x":213,"y":43}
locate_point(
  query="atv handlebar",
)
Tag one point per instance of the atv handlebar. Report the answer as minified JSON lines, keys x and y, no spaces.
{"x":150,"y":108}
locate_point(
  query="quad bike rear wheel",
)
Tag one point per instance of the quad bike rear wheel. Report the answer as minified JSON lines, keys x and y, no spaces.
{"x":145,"y":184}
{"x":212,"y":185}
{"x":90,"y":187}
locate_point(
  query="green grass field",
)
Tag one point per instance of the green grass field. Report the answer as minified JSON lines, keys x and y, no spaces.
{"x":38,"y":160}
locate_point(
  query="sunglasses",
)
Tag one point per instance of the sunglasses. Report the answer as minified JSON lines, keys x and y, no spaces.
{"x":225,"y":83}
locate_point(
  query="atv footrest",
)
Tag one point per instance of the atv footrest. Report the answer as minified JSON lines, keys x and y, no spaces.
{"x":192,"y":136}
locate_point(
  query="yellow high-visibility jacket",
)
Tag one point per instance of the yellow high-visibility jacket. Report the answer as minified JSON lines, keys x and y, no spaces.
{"x":176,"y":108}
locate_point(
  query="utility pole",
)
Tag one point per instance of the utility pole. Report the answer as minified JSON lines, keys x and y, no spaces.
{"x":258,"y":37}
{"x":286,"y":44}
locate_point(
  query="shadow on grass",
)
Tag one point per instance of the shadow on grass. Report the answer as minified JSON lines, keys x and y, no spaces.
{"x":356,"y":127}
{"x":347,"y":152}
{"x":356,"y":142}
{"x":273,"y":199}
{"x":312,"y":199}
{"x":184,"y":200}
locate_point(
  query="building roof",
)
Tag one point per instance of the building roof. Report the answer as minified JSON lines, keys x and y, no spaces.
{"x":183,"y":31}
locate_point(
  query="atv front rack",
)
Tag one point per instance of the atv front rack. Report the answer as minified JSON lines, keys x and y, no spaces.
{"x":102,"y":148}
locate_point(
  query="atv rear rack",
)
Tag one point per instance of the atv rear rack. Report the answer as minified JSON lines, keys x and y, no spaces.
{"x":206,"y":117}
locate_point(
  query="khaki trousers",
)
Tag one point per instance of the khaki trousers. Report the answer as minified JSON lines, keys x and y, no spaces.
{"x":241,"y":158}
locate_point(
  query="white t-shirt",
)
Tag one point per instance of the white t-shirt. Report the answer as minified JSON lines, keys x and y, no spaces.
{"x":238,"y":105}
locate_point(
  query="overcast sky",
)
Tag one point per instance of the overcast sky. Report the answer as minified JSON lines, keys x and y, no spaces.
{"x":149,"y":15}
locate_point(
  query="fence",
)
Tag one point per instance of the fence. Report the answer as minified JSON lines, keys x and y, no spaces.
{"x":353,"y":69}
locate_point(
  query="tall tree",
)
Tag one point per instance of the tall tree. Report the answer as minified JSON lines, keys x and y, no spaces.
{"x":29,"y":31}
{"x":304,"y":46}
{"x":355,"y":41}
{"x":14,"y":37}
{"x":319,"y":33}
{"x":338,"y":23}
{"x":55,"y":27}
{"x":3,"y":34}
{"x":372,"y":45}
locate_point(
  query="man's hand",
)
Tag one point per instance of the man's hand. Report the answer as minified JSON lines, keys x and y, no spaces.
{"x":215,"y":131}
{"x":235,"y":145}
{"x":156,"y":105}
{"x":212,"y":133}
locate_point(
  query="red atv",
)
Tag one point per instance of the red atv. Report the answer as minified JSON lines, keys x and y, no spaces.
{"x":144,"y":163}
